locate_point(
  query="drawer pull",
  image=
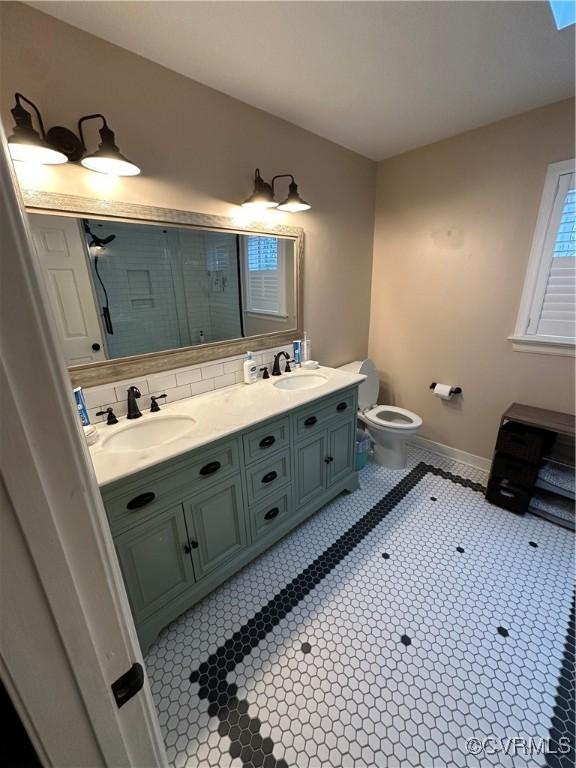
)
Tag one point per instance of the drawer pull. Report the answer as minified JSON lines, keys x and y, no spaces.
{"x":266,"y":442}
{"x":210,"y":468}
{"x":310,"y":421}
{"x":194,"y":544}
{"x":507,"y":494}
{"x":341,"y":406}
{"x":141,"y":501}
{"x":269,"y":477}
{"x":271,"y":514}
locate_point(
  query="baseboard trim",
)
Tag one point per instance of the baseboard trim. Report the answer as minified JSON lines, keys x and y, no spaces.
{"x":479,"y":462}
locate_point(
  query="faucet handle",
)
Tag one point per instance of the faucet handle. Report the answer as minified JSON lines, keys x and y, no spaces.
{"x":154,"y":407}
{"x":265,"y":374}
{"x":288,"y":369}
{"x":109,"y":413}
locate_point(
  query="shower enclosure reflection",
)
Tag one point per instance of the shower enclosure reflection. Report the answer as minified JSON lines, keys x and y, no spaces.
{"x":120,"y":289}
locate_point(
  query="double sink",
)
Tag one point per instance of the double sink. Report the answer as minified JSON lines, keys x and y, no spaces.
{"x":165,"y":428}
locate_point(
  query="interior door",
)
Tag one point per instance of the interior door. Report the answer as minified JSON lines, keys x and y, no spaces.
{"x":62,"y":251}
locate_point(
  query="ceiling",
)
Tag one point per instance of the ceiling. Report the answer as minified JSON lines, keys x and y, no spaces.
{"x":377,"y":77}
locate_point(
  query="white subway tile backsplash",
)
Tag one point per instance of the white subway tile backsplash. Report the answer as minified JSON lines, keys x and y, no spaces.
{"x":211,"y":371}
{"x":161,"y":381}
{"x":188,"y":376}
{"x":233,"y":366}
{"x":96,"y":396}
{"x":224,"y":381}
{"x":202,"y":386}
{"x":178,"y":393}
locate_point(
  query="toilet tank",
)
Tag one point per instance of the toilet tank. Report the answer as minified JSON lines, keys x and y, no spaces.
{"x":368,"y":390}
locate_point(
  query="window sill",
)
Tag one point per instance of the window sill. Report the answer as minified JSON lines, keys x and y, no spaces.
{"x":268,"y":315}
{"x":542,"y":346}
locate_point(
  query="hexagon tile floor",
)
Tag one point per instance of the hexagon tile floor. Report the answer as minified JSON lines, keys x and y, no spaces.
{"x":410,"y":623}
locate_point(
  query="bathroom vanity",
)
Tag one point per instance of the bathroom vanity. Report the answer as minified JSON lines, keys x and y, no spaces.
{"x":247,"y":465}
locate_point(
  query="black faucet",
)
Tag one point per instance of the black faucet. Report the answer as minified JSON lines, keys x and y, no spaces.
{"x":133,"y":410}
{"x":276,"y":367}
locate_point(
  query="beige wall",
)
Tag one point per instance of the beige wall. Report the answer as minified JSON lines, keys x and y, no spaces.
{"x":198,"y":149}
{"x":454,"y":224}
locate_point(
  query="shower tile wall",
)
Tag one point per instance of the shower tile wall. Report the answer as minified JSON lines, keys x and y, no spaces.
{"x":168,"y":288}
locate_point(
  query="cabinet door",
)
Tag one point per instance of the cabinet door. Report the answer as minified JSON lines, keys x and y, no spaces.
{"x":311,"y":469}
{"x":155,"y":565}
{"x":217,"y":526}
{"x":341,"y":451}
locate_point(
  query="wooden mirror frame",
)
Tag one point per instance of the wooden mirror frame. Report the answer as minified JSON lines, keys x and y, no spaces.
{"x":92,"y":374}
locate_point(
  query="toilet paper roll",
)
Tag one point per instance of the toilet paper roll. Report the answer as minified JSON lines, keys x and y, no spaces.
{"x":443,"y":391}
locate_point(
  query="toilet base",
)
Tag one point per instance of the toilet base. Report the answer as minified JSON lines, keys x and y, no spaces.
{"x":391,"y":452}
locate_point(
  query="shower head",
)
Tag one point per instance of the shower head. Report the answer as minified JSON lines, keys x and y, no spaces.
{"x":97,"y":242}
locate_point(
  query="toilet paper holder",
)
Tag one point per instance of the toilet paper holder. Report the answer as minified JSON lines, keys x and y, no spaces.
{"x":453,"y":390}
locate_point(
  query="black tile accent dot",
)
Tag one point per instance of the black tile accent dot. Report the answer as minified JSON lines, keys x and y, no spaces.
{"x":405,"y":640}
{"x":305,"y":647}
{"x":503,"y":631}
{"x":385,"y":555}
{"x":563,"y":726}
{"x":460,"y":549}
{"x":533,"y":544}
{"x":433,"y":498}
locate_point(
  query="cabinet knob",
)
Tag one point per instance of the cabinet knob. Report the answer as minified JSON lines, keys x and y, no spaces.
{"x":210,"y":468}
{"x":187,"y":548}
{"x":341,"y":406}
{"x":310,"y":421}
{"x":266,"y":442}
{"x":272,"y":513}
{"x":269,"y":477}
{"x":141,"y":500}
{"x":328,"y":459}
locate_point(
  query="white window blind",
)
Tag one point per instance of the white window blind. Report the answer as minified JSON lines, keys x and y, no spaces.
{"x":547,"y":316}
{"x":553,"y":310}
{"x":264,"y":275}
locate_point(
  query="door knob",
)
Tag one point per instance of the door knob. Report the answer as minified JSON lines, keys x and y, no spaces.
{"x":95,"y":347}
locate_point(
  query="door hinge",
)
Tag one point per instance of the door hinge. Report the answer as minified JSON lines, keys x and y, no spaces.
{"x":128,"y":684}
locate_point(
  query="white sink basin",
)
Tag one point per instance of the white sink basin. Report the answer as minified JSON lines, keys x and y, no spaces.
{"x":148,"y":432}
{"x":300,"y":381}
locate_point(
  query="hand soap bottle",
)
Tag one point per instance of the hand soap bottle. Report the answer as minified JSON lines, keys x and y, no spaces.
{"x":250,"y":369}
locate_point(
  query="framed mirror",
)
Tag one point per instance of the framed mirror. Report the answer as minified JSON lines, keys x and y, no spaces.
{"x":138,"y":289}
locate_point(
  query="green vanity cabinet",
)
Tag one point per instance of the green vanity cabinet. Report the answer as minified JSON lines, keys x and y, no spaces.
{"x":184,"y":526}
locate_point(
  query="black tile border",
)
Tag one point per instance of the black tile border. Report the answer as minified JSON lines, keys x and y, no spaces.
{"x":246,"y":742}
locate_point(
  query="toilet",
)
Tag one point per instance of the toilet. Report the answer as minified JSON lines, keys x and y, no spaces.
{"x":390,"y":427}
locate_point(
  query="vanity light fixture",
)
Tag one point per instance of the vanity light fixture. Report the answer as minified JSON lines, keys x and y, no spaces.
{"x":107,"y":158}
{"x":60,"y":145}
{"x":25,"y":143}
{"x":263,"y":195}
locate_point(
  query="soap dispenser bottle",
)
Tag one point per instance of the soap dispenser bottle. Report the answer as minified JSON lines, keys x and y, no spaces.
{"x":250,"y":369}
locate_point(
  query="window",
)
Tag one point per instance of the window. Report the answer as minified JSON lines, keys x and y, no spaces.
{"x":547,"y":316}
{"x":264,"y":268}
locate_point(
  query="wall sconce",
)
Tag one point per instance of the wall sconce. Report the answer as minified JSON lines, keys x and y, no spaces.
{"x":263,"y":195}
{"x":60,"y":145}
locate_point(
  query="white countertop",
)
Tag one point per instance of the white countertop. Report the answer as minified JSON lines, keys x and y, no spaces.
{"x":216,"y":415}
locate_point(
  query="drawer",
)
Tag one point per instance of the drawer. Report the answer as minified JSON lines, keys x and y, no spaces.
{"x":267,"y":439}
{"x":141,"y":497}
{"x":272,"y":513}
{"x":508,"y":496}
{"x":317,"y":415}
{"x":522,"y":442}
{"x":517,"y":473}
{"x":263,"y":478}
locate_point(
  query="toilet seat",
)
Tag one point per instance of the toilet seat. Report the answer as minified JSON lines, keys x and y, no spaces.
{"x":391,"y":417}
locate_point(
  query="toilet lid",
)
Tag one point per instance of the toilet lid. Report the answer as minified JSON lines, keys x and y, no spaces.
{"x":393,"y":417}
